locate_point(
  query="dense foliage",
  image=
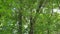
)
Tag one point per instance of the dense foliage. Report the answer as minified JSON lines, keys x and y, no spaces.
{"x":29,"y":16}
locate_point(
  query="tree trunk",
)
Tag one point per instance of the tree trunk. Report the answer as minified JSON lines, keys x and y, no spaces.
{"x":20,"y":22}
{"x":32,"y":20}
{"x":31,"y":25}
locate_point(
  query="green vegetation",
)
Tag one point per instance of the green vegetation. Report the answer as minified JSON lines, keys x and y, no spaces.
{"x":29,"y":16}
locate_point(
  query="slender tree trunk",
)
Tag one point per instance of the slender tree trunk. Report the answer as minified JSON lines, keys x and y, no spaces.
{"x":20,"y":22}
{"x":31,"y":25}
{"x":19,"y":19}
{"x":32,"y":20}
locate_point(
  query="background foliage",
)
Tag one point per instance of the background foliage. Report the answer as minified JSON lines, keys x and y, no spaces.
{"x":29,"y":16}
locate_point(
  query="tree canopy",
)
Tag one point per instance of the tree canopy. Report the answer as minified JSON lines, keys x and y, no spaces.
{"x":29,"y":16}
